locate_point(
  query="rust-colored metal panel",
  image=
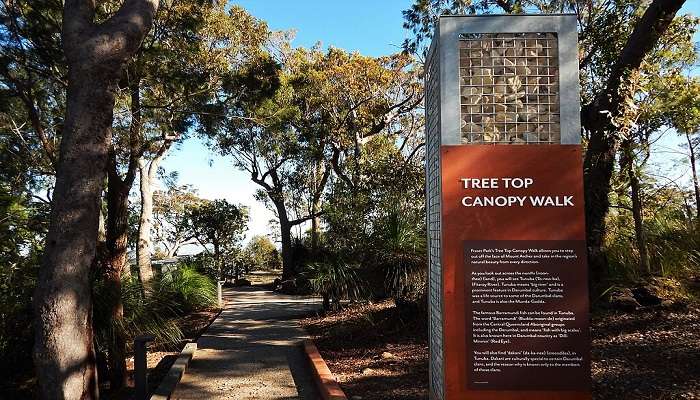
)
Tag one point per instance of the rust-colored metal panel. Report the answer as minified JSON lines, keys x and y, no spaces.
{"x":556,"y":170}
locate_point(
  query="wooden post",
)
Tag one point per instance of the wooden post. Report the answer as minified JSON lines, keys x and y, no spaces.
{"x":141,"y":366}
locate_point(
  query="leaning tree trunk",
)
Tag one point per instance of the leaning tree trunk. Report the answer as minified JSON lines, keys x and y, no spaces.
{"x":598,"y":119}
{"x":145,"y":242}
{"x":64,"y":355}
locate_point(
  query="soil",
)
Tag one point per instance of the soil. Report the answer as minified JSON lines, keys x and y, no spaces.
{"x":646,"y":355}
{"x":379,"y":353}
{"x":375,"y":351}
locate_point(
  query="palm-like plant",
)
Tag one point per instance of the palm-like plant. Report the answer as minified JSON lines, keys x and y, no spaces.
{"x":403,"y":246}
{"x":334,"y":281}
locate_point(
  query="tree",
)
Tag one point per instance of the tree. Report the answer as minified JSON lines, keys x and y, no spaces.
{"x":261,"y":254}
{"x":195,"y":45}
{"x":651,"y":88}
{"x":312,"y":115}
{"x":95,"y":53}
{"x":616,"y":37}
{"x":598,"y":118}
{"x":221,"y":225}
{"x":684,"y":115}
{"x":171,"y":226}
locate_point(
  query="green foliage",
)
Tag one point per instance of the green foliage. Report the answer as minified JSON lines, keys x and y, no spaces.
{"x":221,"y":225}
{"x":172,"y":208}
{"x":380,"y":222}
{"x":175,"y":294}
{"x":189,"y":289}
{"x":261,"y":254}
{"x":334,"y":280}
{"x":673,"y":241}
{"x":401,"y":248}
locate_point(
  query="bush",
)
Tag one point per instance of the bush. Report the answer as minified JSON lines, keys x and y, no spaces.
{"x":334,"y":281}
{"x":175,"y":294}
{"x":188,"y":289}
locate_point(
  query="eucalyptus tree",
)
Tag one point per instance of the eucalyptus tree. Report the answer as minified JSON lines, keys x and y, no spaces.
{"x":171,"y":208}
{"x":96,"y":51}
{"x":307,"y":124}
{"x":645,"y":120}
{"x":221,"y":225}
{"x":616,"y":38}
{"x":258,"y":133}
{"x":195,"y":45}
{"x":178,"y":68}
{"x":683,"y":114}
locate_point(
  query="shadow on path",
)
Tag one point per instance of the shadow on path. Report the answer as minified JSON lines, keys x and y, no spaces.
{"x":252,"y":351}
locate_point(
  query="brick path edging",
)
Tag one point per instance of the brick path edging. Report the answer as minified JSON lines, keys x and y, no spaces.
{"x":325,"y":381}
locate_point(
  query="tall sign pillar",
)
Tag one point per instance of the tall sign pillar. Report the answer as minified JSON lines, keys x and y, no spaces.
{"x":508,"y":295}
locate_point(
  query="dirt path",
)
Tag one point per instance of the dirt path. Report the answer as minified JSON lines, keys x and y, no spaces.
{"x":251,"y":351}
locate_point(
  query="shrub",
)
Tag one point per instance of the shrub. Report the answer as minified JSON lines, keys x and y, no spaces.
{"x":334,"y":281}
{"x":188,"y":289}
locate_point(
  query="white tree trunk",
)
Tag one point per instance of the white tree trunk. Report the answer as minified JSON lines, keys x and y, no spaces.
{"x":144,"y":246}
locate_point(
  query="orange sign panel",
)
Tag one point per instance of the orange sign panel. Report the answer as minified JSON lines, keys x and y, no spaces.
{"x":515,"y":289}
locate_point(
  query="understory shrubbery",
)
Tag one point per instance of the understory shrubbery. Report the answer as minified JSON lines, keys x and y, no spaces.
{"x":672,"y":239}
{"x":153,"y":310}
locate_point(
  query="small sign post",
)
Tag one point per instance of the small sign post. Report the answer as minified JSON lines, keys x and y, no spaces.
{"x":508,"y":295}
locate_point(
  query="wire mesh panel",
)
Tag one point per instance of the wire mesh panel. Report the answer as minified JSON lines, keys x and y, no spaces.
{"x":432,"y":178}
{"x":509,"y":86}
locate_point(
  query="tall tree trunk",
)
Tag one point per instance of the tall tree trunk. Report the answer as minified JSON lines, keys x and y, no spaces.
{"x":321,"y":174}
{"x":147,"y":175}
{"x":315,"y":225}
{"x":116,"y":267}
{"x":217,"y":260}
{"x":696,"y":184}
{"x":627,"y":163}
{"x":64,"y":354}
{"x":288,"y":268}
{"x":598,"y":119}
{"x":144,"y":245}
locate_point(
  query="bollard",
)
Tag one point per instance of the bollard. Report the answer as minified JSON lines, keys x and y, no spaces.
{"x":220,"y":292}
{"x":140,"y":365}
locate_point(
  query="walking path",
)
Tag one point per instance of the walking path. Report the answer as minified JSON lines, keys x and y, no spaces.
{"x":251,"y":351}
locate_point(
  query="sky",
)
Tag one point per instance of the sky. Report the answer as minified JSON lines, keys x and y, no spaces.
{"x":370,"y":27}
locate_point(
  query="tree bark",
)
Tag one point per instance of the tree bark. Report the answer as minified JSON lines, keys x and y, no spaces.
{"x":64,"y":355}
{"x":627,"y":164}
{"x":696,"y":184}
{"x":321,"y":174}
{"x":288,"y":268}
{"x":597,"y":119}
{"x":116,"y":266}
{"x":145,"y":242}
{"x":143,"y":247}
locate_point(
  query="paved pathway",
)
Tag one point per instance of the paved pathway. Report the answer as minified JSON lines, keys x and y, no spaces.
{"x":251,"y":351}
